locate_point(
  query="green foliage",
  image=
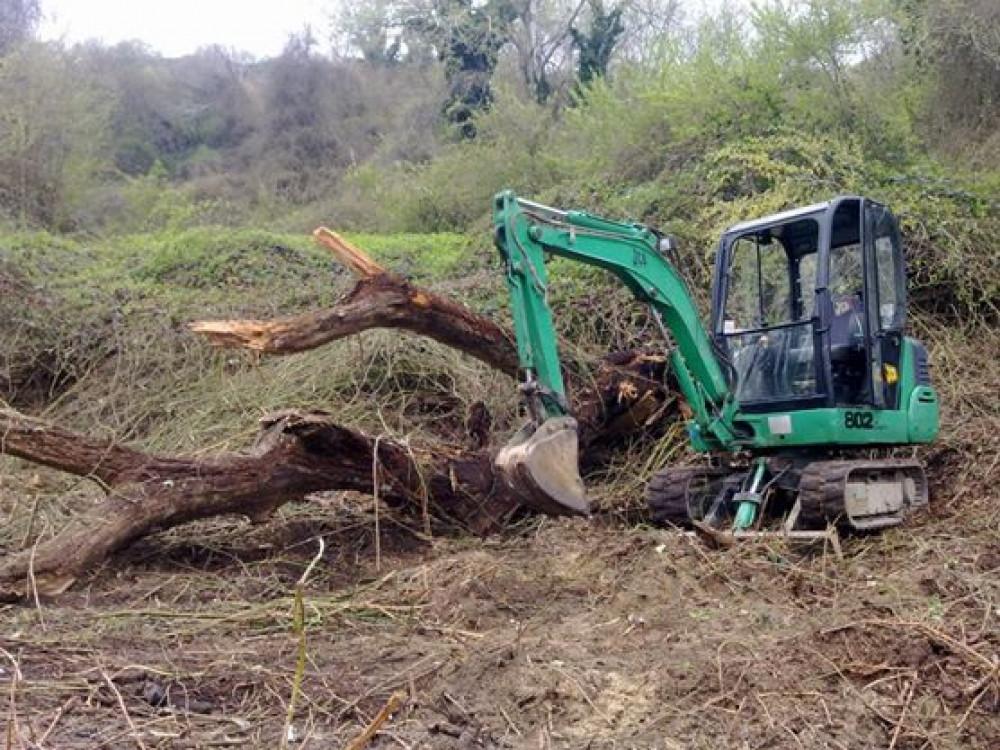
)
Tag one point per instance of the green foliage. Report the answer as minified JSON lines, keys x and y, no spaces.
{"x":734,"y":125}
{"x":425,"y":256}
{"x":52,"y":137}
{"x":121,"y":140}
{"x":208,"y":257}
{"x":740,"y":115}
{"x":218,"y":264}
{"x":150,"y":202}
{"x":768,"y":173}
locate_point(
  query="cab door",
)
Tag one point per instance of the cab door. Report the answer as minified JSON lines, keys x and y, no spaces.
{"x":885,"y":300}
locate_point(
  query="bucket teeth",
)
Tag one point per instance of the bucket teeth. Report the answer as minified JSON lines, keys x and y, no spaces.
{"x":541,"y":466}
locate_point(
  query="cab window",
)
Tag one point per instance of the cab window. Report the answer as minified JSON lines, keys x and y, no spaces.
{"x":758,"y":284}
{"x":772,"y":277}
{"x":891,"y":279}
{"x":767,"y":323}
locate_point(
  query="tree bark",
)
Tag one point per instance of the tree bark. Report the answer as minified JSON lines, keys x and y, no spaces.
{"x":380,"y":299}
{"x":297,"y":453}
{"x":626,"y":391}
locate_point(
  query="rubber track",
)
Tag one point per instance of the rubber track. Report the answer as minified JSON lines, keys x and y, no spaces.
{"x":821,"y":490}
{"x":666,"y":494}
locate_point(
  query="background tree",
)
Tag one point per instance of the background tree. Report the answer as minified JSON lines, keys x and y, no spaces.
{"x":650,"y":25}
{"x":541,"y":34}
{"x":371,"y":30}
{"x":954,"y":47}
{"x":596,"y":45}
{"x":53,"y":136}
{"x":331,"y":133}
{"x":299,"y":133}
{"x":468,"y":38}
{"x":18,"y":21}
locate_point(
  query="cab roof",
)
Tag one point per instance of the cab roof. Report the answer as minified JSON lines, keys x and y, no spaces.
{"x":790,"y":215}
{"x":779,"y":218}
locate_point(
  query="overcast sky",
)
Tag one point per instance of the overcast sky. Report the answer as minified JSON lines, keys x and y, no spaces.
{"x":178,"y":27}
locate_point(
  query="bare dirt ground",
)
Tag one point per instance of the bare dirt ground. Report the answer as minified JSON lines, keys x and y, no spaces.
{"x":568,"y":634}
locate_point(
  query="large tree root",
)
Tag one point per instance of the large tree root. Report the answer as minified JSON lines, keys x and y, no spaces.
{"x":299,"y":453}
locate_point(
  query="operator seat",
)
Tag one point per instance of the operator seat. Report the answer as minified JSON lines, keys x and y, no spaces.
{"x":847,"y":348}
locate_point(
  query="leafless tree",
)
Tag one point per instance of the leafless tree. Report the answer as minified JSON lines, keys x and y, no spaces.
{"x":18,"y":20}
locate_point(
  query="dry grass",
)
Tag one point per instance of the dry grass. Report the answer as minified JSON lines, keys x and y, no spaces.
{"x":558,"y":634}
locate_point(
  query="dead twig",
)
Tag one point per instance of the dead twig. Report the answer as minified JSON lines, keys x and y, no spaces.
{"x":13,"y":736}
{"x":134,"y":731}
{"x":299,"y":628}
{"x":395,"y":702}
{"x":971,"y":708}
{"x":34,"y":584}
{"x":64,"y":709}
{"x":906,"y":707}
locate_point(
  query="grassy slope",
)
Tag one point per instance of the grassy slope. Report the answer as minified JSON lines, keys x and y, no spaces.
{"x":557,"y":632}
{"x":115,"y":311}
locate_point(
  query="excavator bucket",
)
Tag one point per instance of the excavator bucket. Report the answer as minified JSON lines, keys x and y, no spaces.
{"x":540,"y":465}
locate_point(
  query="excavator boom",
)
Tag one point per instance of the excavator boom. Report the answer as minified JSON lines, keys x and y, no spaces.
{"x":541,"y":460}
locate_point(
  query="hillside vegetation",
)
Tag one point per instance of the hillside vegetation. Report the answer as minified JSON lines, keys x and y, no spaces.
{"x":138,"y":193}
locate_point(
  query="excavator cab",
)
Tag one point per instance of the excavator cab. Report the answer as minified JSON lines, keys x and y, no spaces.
{"x":809,"y":305}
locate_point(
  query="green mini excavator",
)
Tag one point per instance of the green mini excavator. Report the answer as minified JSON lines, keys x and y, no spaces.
{"x":804,"y":389}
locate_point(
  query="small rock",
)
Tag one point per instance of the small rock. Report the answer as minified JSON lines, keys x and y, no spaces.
{"x":154,"y":694}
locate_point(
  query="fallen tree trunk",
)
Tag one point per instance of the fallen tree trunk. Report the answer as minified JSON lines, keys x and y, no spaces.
{"x":298,"y":453}
{"x":624,"y":393}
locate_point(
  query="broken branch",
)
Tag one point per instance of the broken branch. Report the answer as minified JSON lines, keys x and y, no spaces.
{"x":299,"y":453}
{"x":380,"y":299}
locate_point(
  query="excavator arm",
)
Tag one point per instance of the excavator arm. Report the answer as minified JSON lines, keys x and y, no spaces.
{"x":541,"y":460}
